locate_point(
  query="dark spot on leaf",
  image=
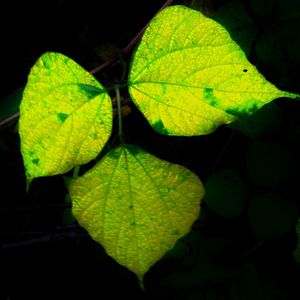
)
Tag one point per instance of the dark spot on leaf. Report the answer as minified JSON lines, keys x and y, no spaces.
{"x":236,"y":112}
{"x":35,"y":161}
{"x":62,"y":116}
{"x":159,"y":127}
{"x":208,"y":92}
{"x":90,"y":91}
{"x":209,"y":96}
{"x":47,"y":62}
{"x":134,"y":150}
{"x":243,"y":111}
{"x":175,"y":231}
{"x":245,"y":70}
{"x":164,"y":86}
{"x":253,"y":108}
{"x":132,"y":224}
{"x":130,"y":206}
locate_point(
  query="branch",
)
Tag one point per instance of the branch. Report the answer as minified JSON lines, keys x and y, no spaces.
{"x":138,"y":36}
{"x":10,"y":119}
{"x":129,"y":47}
{"x":50,"y":237}
{"x":124,"y":51}
{"x":259,"y":244}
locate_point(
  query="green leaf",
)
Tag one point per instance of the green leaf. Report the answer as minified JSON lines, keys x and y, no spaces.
{"x":226,"y":193}
{"x":288,"y":9}
{"x":266,"y":120}
{"x":188,"y":76}
{"x":279,"y":49}
{"x":269,"y":163}
{"x":65,"y":117}
{"x":271,"y":215}
{"x":263,"y":9}
{"x":136,"y":205}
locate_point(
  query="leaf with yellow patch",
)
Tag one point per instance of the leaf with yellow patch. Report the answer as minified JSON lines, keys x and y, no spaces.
{"x":188,"y":76}
{"x":136,"y":205}
{"x":65,"y":117}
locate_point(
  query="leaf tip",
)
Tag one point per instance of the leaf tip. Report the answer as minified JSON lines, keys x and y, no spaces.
{"x":140,"y":278}
{"x":28,"y":184}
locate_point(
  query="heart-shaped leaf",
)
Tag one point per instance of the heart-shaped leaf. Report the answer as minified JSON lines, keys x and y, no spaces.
{"x":271,"y":215}
{"x":65,"y":117}
{"x":188,"y":76}
{"x":226,"y":193}
{"x":136,"y":205}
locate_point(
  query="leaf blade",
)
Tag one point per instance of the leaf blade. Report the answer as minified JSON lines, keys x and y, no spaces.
{"x":65,"y":117}
{"x":185,"y":55}
{"x":139,"y":206}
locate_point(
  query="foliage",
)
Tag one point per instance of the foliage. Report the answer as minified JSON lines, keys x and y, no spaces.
{"x":176,"y":82}
{"x":66,"y":118}
{"x":138,"y":206}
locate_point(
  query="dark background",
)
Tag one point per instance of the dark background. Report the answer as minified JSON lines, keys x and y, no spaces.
{"x":243,"y":243}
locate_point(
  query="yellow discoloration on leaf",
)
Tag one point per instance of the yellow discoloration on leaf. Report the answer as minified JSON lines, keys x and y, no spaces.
{"x":65,"y":117}
{"x":188,"y":76}
{"x":136,"y":205}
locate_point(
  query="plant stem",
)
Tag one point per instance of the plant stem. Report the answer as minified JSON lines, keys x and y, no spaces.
{"x":9,"y":119}
{"x":46,"y":238}
{"x":76,"y":171}
{"x":259,"y":244}
{"x":138,"y":36}
{"x":119,"y":109}
{"x":99,"y":68}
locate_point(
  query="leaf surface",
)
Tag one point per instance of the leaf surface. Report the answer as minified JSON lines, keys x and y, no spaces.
{"x":188,"y":76}
{"x":136,"y":205}
{"x":65,"y":117}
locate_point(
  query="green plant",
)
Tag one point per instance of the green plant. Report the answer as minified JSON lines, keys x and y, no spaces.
{"x":187,"y":77}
